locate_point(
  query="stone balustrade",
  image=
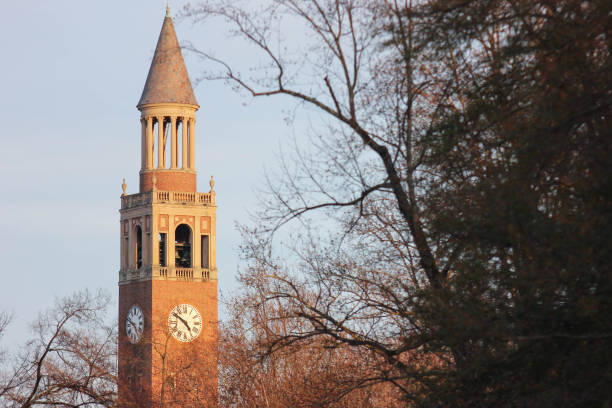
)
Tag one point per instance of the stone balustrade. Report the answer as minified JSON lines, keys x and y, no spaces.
{"x":165,"y":273}
{"x":184,"y":273}
{"x":149,"y":197}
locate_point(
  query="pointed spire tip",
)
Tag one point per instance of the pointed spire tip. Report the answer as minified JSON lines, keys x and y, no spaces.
{"x":167,"y":9}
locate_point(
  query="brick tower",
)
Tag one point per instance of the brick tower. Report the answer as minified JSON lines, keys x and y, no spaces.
{"x":168,"y":275}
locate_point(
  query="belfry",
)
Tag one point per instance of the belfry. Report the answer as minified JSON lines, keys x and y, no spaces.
{"x":168,"y":275}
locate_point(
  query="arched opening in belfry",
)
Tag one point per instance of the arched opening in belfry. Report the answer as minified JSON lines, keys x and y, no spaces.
{"x":181,"y":148}
{"x":168,"y":142}
{"x":182,"y":245}
{"x":166,"y":132}
{"x":163,"y":131}
{"x":138,"y":247}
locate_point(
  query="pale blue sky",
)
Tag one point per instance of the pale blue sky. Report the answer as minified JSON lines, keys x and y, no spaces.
{"x":71,"y":74}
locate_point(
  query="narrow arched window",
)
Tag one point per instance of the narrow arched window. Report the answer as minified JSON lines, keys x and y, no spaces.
{"x":162,"y":248}
{"x":182,"y":245}
{"x":126,"y":253}
{"x":138,"y":247}
{"x":205,"y":252}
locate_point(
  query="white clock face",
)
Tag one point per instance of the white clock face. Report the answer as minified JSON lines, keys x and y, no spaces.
{"x":134,"y":324}
{"x":185,"y":322}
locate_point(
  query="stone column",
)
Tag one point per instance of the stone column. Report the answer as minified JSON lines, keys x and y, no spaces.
{"x":143,"y":144}
{"x":150,"y":147}
{"x":123,"y":248}
{"x":170,"y":248}
{"x":160,"y":143}
{"x":192,"y":144}
{"x":149,"y":250}
{"x":196,"y":253}
{"x":184,"y":122}
{"x":174,"y":147}
{"x":155,"y":242}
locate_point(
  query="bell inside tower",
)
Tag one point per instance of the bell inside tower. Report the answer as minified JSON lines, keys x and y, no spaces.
{"x":182,"y":246}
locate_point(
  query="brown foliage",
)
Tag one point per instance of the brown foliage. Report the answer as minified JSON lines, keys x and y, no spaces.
{"x":307,"y":374}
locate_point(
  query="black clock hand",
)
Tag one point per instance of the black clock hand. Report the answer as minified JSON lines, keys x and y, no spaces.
{"x":182,"y":320}
{"x":133,"y":324}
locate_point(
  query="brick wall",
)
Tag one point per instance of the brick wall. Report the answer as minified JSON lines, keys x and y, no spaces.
{"x":168,"y":180}
{"x":134,"y":359}
{"x":159,"y":355}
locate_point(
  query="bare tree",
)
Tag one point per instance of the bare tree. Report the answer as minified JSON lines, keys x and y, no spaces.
{"x":5,"y":319}
{"x":70,"y":361}
{"x":461,"y":148}
{"x":5,"y":384}
{"x":362,"y":172}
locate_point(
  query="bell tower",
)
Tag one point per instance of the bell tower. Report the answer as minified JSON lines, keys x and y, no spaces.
{"x":168,"y":275}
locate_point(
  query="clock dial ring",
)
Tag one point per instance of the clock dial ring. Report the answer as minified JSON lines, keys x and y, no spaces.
{"x":185,"y":323}
{"x":134,"y":324}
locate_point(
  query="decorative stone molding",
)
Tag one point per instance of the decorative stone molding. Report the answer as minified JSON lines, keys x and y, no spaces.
{"x":168,"y":197}
{"x":167,"y":273}
{"x":163,"y":223}
{"x":183,"y":219}
{"x":205,"y":224}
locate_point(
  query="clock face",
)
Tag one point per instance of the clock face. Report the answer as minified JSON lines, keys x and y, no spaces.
{"x":185,"y":322}
{"x":134,"y":324}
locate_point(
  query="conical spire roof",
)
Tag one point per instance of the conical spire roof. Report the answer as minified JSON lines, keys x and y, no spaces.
{"x":168,"y":81}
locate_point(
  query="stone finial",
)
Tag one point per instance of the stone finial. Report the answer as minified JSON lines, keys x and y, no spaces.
{"x":167,"y":9}
{"x":124,"y":188}
{"x":212,"y":184}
